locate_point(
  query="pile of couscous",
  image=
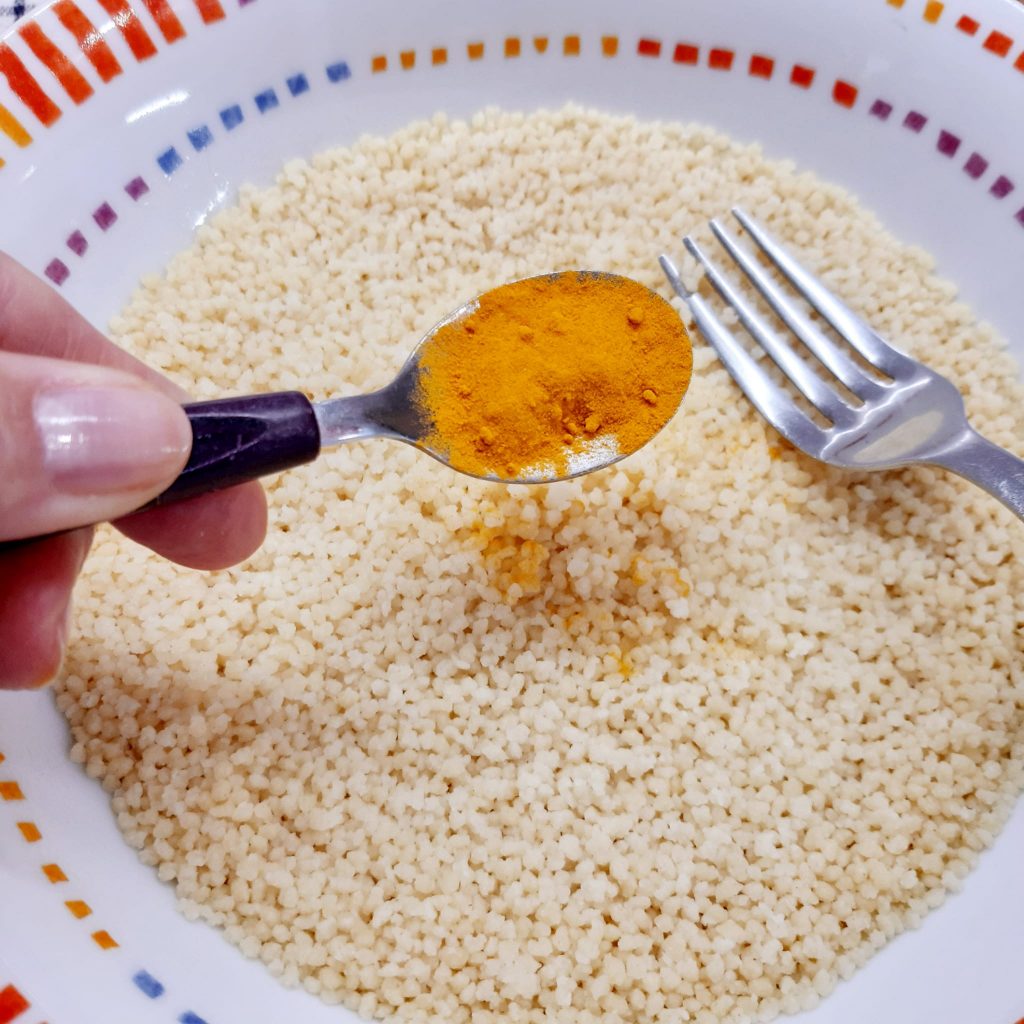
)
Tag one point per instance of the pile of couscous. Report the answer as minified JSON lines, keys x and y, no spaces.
{"x":685,"y":740}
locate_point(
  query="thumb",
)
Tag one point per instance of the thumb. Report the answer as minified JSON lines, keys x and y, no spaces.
{"x":81,"y":444}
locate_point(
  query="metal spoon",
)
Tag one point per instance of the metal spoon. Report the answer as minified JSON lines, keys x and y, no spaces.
{"x":240,"y":439}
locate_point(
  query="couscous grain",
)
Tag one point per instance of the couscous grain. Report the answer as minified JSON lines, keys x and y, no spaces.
{"x":686,"y":740}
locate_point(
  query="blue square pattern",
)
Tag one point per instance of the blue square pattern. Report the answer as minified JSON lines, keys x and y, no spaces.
{"x":298,"y":84}
{"x":169,"y":160}
{"x":338,"y":72}
{"x":266,"y":100}
{"x":231,"y":117}
{"x":148,"y":985}
{"x":200,"y":138}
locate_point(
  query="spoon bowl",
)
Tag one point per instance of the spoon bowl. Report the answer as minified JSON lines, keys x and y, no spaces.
{"x":398,"y":411}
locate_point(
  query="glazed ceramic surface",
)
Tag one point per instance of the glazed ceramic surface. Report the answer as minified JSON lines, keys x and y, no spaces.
{"x":124,"y":124}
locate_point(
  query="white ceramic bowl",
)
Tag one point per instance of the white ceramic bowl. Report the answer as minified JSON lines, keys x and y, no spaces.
{"x":913,"y":105}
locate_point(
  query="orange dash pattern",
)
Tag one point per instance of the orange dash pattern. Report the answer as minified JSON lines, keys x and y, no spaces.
{"x":721,"y":59}
{"x":26,"y":88}
{"x":998,"y":43}
{"x":90,"y":42}
{"x":210,"y":10}
{"x":54,"y":873}
{"x":104,"y":940}
{"x":70,"y":78}
{"x":128,"y":24}
{"x":29,"y":831}
{"x":802,"y":75}
{"x":13,"y":128}
{"x":12,"y":1004}
{"x":78,"y":908}
{"x":686,"y":53}
{"x":166,"y":20}
{"x":11,"y":791}
{"x":844,"y":93}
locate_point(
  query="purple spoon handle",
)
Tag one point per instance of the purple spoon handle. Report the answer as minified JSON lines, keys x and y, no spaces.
{"x":239,"y":439}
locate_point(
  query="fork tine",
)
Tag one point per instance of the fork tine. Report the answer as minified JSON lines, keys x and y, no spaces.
{"x":839,"y":364}
{"x":856,"y":332}
{"x":674,"y":278}
{"x":767,"y":397}
{"x":814,"y":389}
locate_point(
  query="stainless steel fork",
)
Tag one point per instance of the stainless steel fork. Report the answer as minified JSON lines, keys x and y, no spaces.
{"x":913,"y":415}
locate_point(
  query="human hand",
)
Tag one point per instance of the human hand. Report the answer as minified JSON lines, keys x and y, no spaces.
{"x":88,"y":434}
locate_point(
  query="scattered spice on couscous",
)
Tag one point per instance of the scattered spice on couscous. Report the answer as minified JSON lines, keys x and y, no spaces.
{"x":683,"y":741}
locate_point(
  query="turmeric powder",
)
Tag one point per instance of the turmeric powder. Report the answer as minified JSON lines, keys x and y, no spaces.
{"x":553,"y":367}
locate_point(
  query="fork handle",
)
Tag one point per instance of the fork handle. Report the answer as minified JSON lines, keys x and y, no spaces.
{"x":986,"y":464}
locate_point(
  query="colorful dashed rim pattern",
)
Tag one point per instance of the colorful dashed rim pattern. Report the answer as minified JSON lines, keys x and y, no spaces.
{"x":804,"y":76}
{"x":79,"y":31}
{"x":997,"y":43}
{"x":171,"y":158}
{"x":83,"y":32}
{"x":14,"y":1004}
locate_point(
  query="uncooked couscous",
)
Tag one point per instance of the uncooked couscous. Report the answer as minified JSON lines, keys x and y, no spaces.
{"x":685,"y":740}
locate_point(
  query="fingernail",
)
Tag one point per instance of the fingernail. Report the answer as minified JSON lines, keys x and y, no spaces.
{"x":104,"y":440}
